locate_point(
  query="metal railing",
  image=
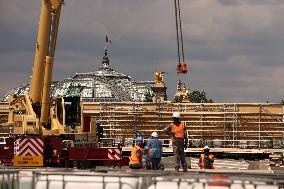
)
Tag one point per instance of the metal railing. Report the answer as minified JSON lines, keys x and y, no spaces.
{"x":156,"y":180}
{"x":130,"y":179}
{"x":120,"y":179}
{"x":9,"y":179}
{"x":203,"y":180}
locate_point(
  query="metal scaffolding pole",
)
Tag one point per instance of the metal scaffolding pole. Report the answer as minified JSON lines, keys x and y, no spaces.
{"x":259,"y":126}
{"x":225,"y":125}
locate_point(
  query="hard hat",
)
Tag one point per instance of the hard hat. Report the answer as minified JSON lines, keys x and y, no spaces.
{"x":139,"y":139}
{"x":176,"y":114}
{"x":206,"y":147}
{"x":154,"y":134}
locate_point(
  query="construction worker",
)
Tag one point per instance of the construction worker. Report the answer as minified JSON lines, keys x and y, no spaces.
{"x":153,"y":150}
{"x":177,"y":132}
{"x":206,"y":160}
{"x":136,"y":154}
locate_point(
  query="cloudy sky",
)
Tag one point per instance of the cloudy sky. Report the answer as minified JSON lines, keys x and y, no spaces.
{"x":234,"y":48}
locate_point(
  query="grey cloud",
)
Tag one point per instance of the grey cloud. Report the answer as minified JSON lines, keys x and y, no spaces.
{"x":234,"y":52}
{"x":253,"y":2}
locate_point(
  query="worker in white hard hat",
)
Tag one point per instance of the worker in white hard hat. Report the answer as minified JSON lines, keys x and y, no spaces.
{"x":177,"y":132}
{"x":153,"y":151}
{"x":206,"y":159}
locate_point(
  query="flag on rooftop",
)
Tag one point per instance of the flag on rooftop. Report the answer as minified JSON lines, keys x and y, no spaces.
{"x":108,"y":39}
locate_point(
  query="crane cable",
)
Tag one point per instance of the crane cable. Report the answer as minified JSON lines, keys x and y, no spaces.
{"x":182,"y":68}
{"x":180,"y":28}
{"x":177,"y":30}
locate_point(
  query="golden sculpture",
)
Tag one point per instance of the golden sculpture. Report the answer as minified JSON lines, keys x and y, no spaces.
{"x":185,"y":93}
{"x":159,"y":78}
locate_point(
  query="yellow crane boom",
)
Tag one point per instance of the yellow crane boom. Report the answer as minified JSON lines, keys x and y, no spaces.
{"x":30,"y":113}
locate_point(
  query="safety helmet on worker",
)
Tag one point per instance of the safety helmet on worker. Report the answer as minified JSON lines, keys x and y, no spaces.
{"x":139,"y":139}
{"x":154,"y":134}
{"x":176,"y":114}
{"x":206,"y":148}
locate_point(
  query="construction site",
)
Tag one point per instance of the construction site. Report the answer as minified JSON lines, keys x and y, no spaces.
{"x":242,"y":126}
{"x":82,"y":131}
{"x":232,"y":128}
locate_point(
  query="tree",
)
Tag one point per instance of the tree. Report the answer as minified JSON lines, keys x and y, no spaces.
{"x":148,"y":96}
{"x":178,"y":99}
{"x":199,"y":97}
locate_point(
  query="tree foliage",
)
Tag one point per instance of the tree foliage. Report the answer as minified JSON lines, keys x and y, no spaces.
{"x":199,"y":97}
{"x":148,"y":96}
{"x":178,"y":99}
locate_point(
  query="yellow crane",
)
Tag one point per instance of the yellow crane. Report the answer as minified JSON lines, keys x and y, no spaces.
{"x":33,"y":113}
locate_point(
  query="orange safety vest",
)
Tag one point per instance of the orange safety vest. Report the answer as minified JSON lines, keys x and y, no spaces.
{"x":134,"y":159}
{"x":178,"y":130}
{"x":201,"y":160}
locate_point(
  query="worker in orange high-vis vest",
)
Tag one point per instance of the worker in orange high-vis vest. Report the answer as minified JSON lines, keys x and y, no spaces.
{"x":136,"y":154}
{"x":177,"y":132}
{"x":206,"y":159}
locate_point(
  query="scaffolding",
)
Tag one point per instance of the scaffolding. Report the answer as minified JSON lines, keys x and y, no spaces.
{"x":222,"y":125}
{"x":218,"y":125}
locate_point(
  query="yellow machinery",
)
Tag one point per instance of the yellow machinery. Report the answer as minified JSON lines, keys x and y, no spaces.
{"x":34,"y":113}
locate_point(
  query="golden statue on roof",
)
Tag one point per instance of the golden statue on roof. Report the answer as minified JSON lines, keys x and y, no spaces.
{"x":185,"y":93}
{"x":159,"y":78}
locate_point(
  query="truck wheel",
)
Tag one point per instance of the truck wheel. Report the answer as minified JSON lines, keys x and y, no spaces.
{"x":78,"y":164}
{"x":68,"y":164}
{"x":85,"y":164}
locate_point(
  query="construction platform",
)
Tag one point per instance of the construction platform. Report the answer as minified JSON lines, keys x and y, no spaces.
{"x":218,"y":125}
{"x":224,"y":127}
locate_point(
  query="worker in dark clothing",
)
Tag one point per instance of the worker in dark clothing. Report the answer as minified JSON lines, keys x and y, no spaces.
{"x":206,"y":159}
{"x":177,"y":132}
{"x":136,"y":154}
{"x":153,"y":151}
